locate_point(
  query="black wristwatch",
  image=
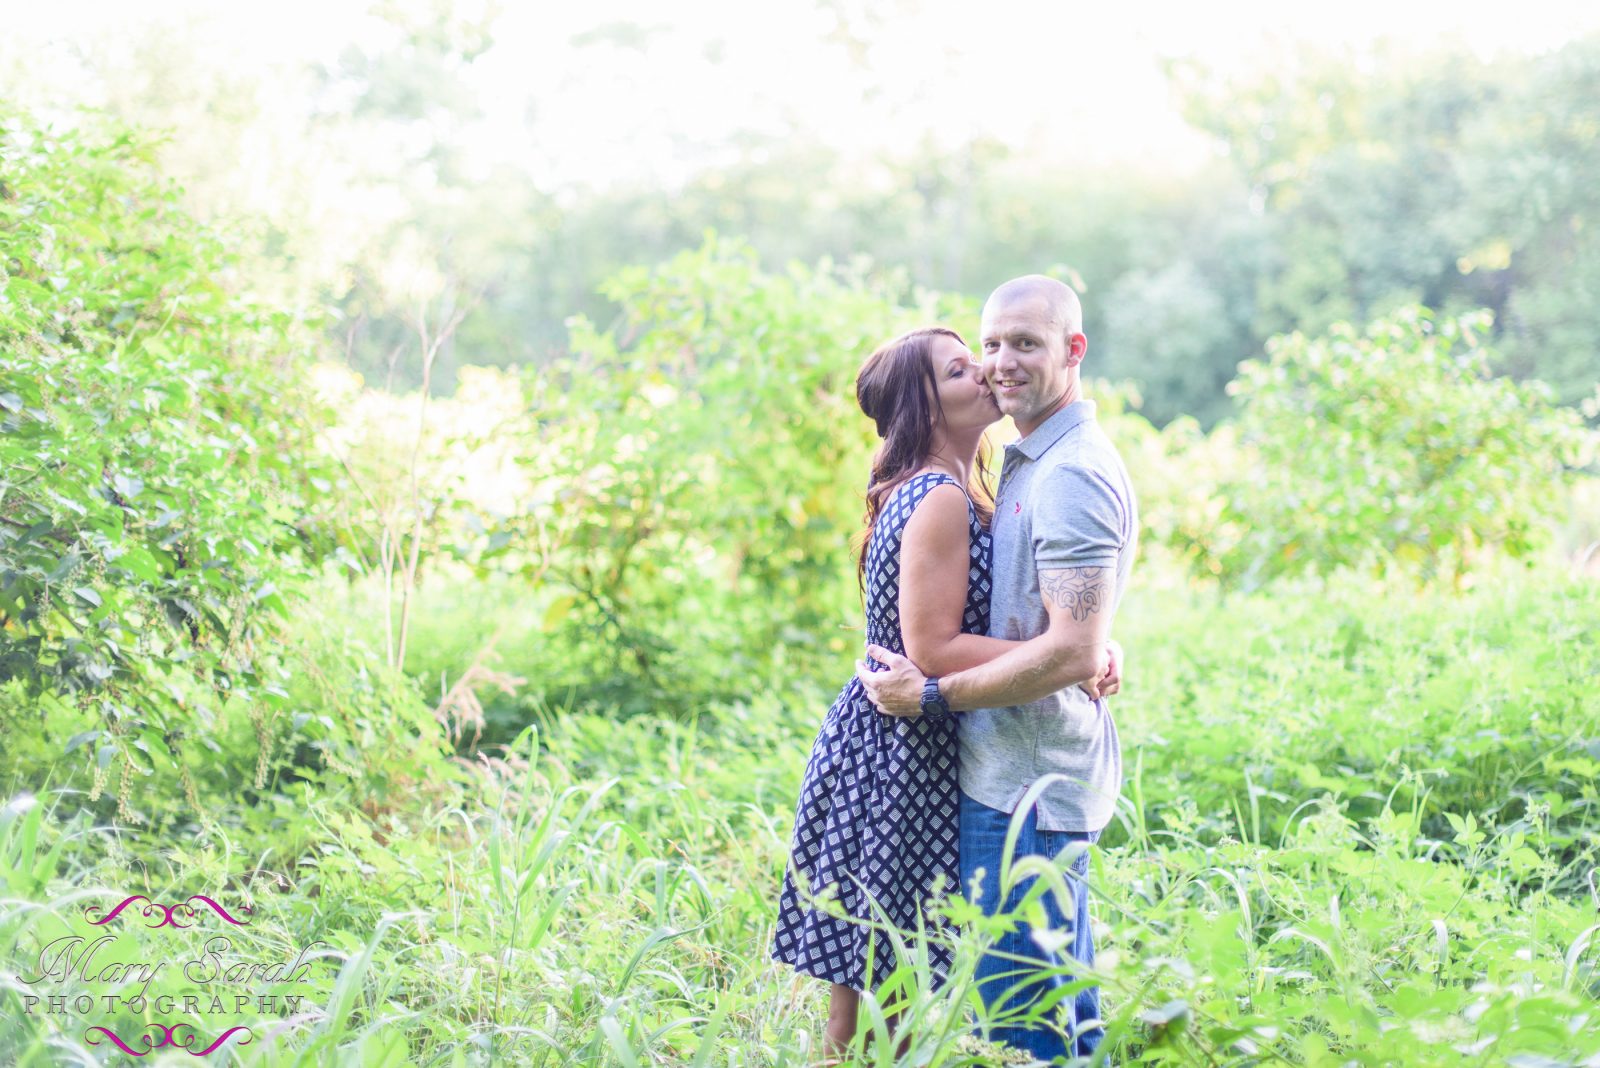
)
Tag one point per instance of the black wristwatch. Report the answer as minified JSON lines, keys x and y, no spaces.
{"x":933,"y":702}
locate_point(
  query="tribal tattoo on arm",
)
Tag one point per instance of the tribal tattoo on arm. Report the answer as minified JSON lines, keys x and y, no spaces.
{"x":1079,"y":591}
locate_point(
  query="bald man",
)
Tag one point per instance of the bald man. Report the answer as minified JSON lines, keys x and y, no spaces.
{"x":1065,"y":531}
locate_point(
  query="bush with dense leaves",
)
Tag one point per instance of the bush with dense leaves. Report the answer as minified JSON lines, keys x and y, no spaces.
{"x":697,"y":478}
{"x":156,"y":479}
{"x":1389,"y":447}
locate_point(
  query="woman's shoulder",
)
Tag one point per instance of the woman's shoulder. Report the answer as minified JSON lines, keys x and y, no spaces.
{"x":934,"y":494}
{"x":915,"y":488}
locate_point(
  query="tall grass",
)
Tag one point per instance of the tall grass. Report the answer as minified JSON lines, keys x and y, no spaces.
{"x":1355,"y":830}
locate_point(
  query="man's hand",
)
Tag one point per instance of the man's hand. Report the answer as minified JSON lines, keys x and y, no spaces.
{"x":1111,"y":681}
{"x":896,"y":691}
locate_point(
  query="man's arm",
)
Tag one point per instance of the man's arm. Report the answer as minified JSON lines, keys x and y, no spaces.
{"x":1073,"y":649}
{"x":1079,"y":531}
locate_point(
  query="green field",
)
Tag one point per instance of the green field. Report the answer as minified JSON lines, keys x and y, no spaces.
{"x":1358,"y":828}
{"x":456,"y":714}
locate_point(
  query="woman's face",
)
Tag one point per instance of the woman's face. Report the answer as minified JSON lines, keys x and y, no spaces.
{"x":963,"y":394}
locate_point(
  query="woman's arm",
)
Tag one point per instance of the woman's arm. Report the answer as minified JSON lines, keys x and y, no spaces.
{"x":934,"y":562}
{"x":1072,"y":650}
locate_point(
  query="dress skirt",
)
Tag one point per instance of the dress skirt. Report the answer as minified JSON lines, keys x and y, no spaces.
{"x":875,"y":837}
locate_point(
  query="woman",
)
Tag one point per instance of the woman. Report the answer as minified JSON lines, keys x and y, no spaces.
{"x":876,"y":822}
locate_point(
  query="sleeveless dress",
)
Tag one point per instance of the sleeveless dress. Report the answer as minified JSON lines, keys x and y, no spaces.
{"x":879,"y":803}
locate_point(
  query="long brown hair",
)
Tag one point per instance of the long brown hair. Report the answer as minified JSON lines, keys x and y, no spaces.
{"x":897,"y":390}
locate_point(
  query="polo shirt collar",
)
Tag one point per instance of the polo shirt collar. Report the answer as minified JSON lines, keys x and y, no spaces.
{"x":1050,"y":431}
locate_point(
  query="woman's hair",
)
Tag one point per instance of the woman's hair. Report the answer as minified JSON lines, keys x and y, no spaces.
{"x":897,"y":390}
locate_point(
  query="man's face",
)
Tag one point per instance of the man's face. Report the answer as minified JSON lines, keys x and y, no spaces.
{"x":1028,"y":359}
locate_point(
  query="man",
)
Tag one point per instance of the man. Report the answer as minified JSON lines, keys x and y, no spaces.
{"x":1065,"y":530}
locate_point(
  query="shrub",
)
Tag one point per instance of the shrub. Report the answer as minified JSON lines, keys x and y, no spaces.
{"x":698,"y":475}
{"x":154,"y":475}
{"x":1392,"y":447}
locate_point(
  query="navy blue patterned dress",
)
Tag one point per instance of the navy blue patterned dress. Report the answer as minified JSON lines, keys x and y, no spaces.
{"x":878,"y":810}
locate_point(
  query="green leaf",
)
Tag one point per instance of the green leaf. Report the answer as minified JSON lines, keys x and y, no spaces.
{"x":33,"y":532}
{"x":126,"y":486}
{"x":557,"y":611}
{"x":65,"y":566}
{"x":137,"y":562}
{"x":80,"y":738}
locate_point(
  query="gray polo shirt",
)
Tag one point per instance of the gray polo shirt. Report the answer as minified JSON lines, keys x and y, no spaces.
{"x":1064,"y":501}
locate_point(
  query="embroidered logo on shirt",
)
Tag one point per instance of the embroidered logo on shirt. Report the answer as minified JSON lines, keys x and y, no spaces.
{"x":1018,"y":509}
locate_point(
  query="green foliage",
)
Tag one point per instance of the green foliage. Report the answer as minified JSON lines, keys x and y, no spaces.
{"x":1393,"y":446}
{"x":1358,"y":823}
{"x":1482,"y":700}
{"x":1347,"y":185}
{"x":1363,"y":820}
{"x":1167,"y":325}
{"x":155,"y":474}
{"x":698,"y":477}
{"x":353,"y":725}
{"x":1391,"y":178}
{"x":1355,"y":830}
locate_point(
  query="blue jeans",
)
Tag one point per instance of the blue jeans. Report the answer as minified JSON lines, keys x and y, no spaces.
{"x":983,"y":837}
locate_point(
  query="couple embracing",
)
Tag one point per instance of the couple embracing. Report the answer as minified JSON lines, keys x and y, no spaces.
{"x":989,"y":661}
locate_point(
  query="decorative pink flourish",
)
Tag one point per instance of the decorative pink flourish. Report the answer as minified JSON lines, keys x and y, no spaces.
{"x":124,"y":903}
{"x":123,"y":1046}
{"x":168,"y":1039}
{"x":220,"y":911}
{"x":168,"y":912}
{"x":223,"y":1038}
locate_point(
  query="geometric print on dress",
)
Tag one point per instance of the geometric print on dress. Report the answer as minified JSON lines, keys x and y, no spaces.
{"x":877,"y":817}
{"x":883,"y":565}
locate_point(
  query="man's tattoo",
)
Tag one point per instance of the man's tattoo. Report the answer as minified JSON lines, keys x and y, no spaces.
{"x":1083,"y":591}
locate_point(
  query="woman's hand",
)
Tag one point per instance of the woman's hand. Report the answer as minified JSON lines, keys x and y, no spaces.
{"x":896,"y":691}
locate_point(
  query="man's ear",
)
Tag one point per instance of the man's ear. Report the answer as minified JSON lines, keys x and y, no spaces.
{"x":1077,"y":346}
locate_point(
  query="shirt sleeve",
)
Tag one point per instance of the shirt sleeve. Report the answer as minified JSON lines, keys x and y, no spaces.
{"x":1078,"y":519}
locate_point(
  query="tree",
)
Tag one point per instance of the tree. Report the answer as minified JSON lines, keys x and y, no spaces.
{"x":1392,"y":178}
{"x":698,"y":475}
{"x":1390,"y":447}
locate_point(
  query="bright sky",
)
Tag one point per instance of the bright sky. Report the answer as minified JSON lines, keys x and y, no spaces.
{"x":1074,"y":82}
